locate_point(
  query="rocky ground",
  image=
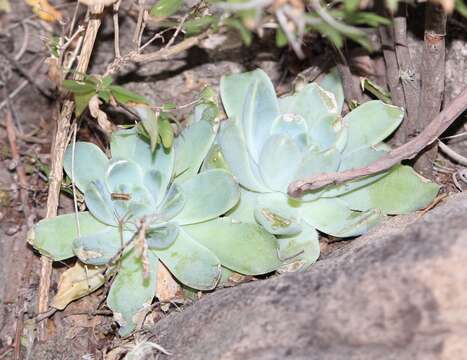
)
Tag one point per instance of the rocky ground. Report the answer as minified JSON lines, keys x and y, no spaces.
{"x":396,"y":293}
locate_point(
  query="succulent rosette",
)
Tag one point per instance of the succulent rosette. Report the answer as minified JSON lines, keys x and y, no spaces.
{"x":269,"y":142}
{"x":148,"y":206}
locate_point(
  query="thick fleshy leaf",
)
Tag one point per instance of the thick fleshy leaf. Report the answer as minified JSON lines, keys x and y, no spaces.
{"x":259,"y":111}
{"x":99,"y":247}
{"x":277,"y":213}
{"x":278,"y":161}
{"x":240,"y":162}
{"x":326,"y":132}
{"x":244,"y":210}
{"x":150,"y":122}
{"x":241,"y":247}
{"x":123,"y":172}
{"x":191,"y":147}
{"x":354,"y":160}
{"x":277,"y":222}
{"x":315,"y":162}
{"x":173,"y":203}
{"x":153,"y":182}
{"x":299,"y":251}
{"x":88,"y":164}
{"x":207,"y":195}
{"x":371,"y":123}
{"x":162,"y":237}
{"x":332,"y":83}
{"x":333,"y":217}
{"x":54,"y":237}
{"x":132,"y":292}
{"x":400,"y":192}
{"x":128,"y":145}
{"x":215,"y":159}
{"x":77,"y":282}
{"x":292,"y":125}
{"x":99,"y":203}
{"x":191,"y":263}
{"x":234,"y":88}
{"x":312,"y":103}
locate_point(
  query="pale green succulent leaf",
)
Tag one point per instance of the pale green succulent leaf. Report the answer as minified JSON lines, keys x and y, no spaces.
{"x":99,"y":203}
{"x":54,"y":237}
{"x":207,"y":195}
{"x":99,"y":247}
{"x":215,"y":159}
{"x":400,"y":192}
{"x":259,"y":111}
{"x":239,"y":160}
{"x":292,"y":125}
{"x":88,"y":164}
{"x":371,"y":123}
{"x":332,"y":216}
{"x":278,"y":161}
{"x":123,"y":173}
{"x":162,"y":237}
{"x":326,"y":132}
{"x":153,"y":181}
{"x":234,"y":87}
{"x":274,"y":221}
{"x":173,"y":203}
{"x":128,"y":145}
{"x":299,"y":251}
{"x":191,"y":263}
{"x":133,"y":289}
{"x":242,"y":247}
{"x":312,"y":103}
{"x":332,"y":82}
{"x":191,"y":147}
{"x":244,"y":210}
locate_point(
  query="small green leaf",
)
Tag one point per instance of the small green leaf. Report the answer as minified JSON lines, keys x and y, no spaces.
{"x":79,"y":87}
{"x":166,"y":132}
{"x":245,"y":34}
{"x":150,"y":122}
{"x":281,"y":39}
{"x":195,"y":26}
{"x":376,"y":90}
{"x":106,"y":82}
{"x":461,"y":7}
{"x":125,"y":96}
{"x":169,"y":106}
{"x":165,"y":8}
{"x":351,"y":5}
{"x":82,"y":102}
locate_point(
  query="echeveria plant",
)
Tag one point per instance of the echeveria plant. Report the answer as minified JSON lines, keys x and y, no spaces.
{"x":145,"y":207}
{"x":268,"y":142}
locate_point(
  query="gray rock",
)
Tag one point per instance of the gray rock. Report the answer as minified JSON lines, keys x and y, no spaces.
{"x":396,"y":293}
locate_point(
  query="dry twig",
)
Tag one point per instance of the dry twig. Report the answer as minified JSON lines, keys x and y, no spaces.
{"x":57,"y":154}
